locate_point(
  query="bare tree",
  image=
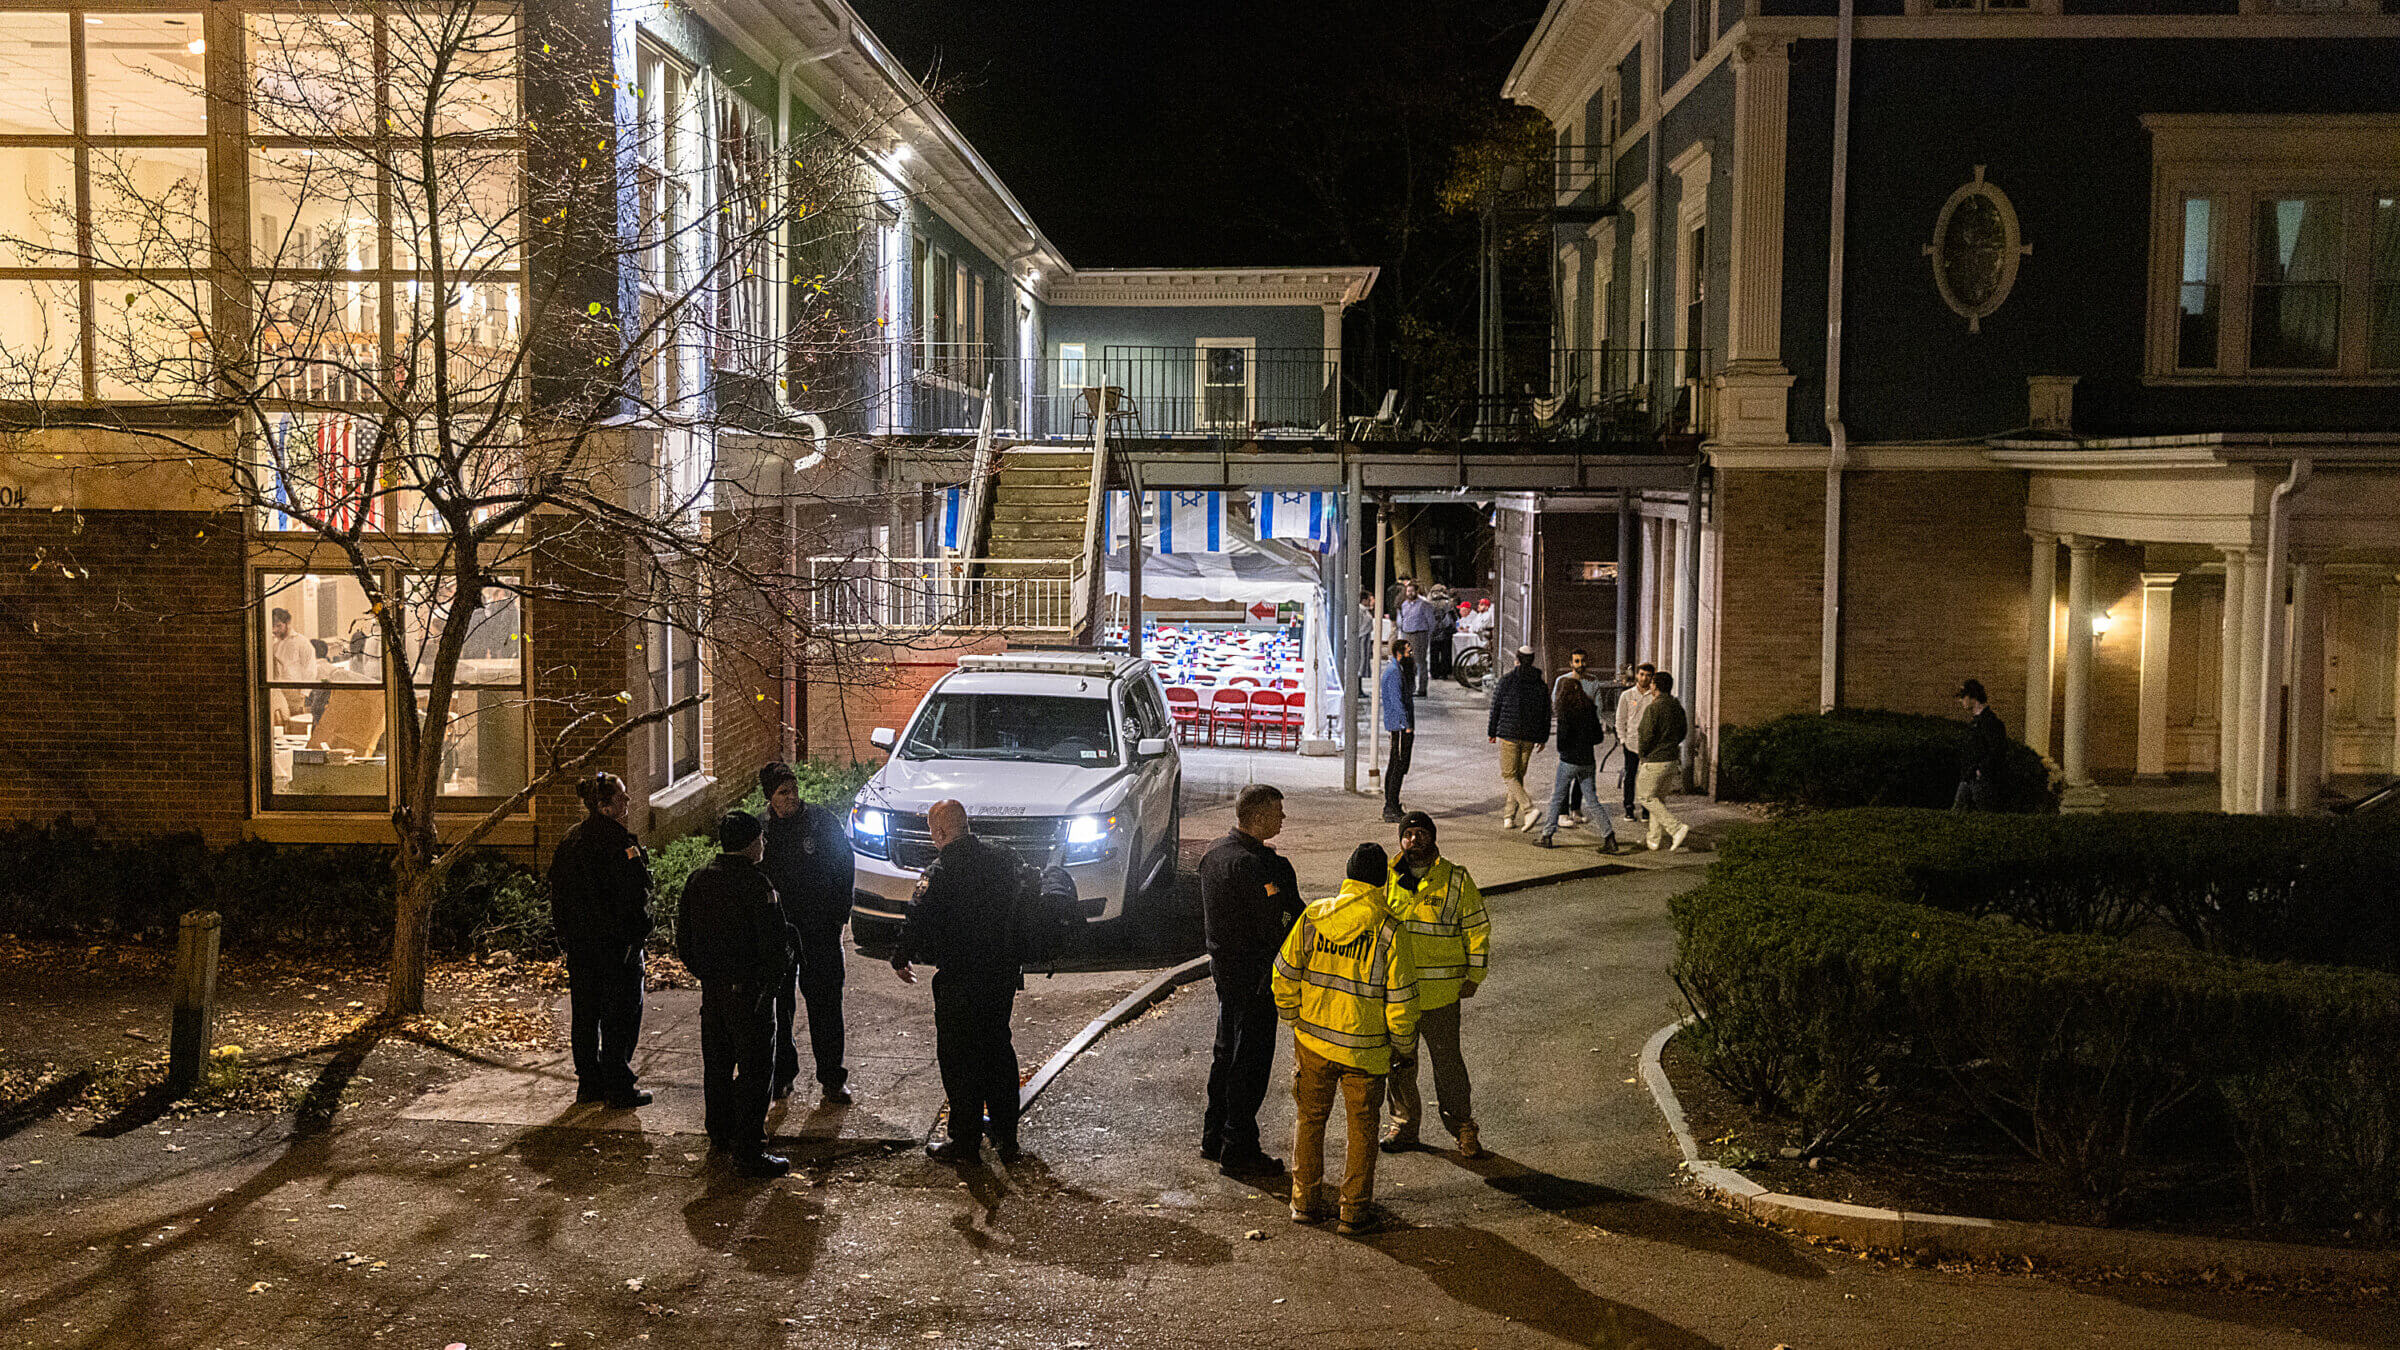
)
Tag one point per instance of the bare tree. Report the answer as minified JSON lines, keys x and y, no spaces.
{"x":477,"y":355}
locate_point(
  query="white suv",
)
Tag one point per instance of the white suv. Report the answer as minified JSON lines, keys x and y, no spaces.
{"x":1065,"y":757}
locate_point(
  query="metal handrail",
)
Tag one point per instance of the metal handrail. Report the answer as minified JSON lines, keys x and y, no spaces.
{"x":950,"y":593}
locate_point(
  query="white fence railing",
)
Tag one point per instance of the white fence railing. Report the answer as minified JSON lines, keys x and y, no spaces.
{"x":919,"y":594}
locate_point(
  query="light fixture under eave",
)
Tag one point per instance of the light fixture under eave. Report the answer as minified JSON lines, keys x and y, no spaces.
{"x":2101,"y":623}
{"x":903,"y":153}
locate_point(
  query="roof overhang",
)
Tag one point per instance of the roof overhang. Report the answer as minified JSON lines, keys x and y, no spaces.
{"x":1215,"y":286}
{"x":1572,"y":36}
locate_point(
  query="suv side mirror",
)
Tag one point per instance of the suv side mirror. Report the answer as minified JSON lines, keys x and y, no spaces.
{"x":883,"y":738}
{"x":1150,"y":747}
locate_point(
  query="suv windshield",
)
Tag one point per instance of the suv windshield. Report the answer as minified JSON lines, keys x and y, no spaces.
{"x":1013,"y":726}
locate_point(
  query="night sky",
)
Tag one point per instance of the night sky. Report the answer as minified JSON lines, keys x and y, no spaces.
{"x":1146,"y":134}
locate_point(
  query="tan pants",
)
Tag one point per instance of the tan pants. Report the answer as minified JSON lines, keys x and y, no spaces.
{"x":1315,"y":1079}
{"x":1648,"y":786}
{"x":1437,"y":1040}
{"x":1514,"y":756}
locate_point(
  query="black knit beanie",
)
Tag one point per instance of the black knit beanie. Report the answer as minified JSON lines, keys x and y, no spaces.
{"x":737,"y":831}
{"x":1370,"y":864}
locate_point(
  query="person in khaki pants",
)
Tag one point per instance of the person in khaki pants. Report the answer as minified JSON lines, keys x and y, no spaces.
{"x":1519,"y":723}
{"x":1345,"y":982}
{"x":1663,"y":728}
{"x":1450,"y":943}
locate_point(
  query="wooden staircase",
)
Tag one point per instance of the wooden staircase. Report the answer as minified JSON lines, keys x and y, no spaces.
{"x":1040,"y":499}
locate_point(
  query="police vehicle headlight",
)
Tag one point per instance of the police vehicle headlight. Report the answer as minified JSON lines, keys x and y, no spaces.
{"x":1090,"y":837}
{"x":871,"y":828}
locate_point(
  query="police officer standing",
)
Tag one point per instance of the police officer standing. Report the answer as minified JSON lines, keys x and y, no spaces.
{"x":1249,"y":897}
{"x":959,"y":922}
{"x":813,"y":870}
{"x":731,"y":933}
{"x":600,"y":910}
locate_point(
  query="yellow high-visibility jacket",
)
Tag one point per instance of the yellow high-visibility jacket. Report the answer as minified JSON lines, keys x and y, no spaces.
{"x":1449,"y":931}
{"x":1344,"y":981}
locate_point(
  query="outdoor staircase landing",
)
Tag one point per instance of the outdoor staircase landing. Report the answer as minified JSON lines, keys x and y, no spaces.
{"x":1040,"y":499}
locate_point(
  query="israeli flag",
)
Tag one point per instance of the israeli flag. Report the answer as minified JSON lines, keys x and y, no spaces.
{"x":1296,"y":515}
{"x":1189,"y":522}
{"x":954,"y":511}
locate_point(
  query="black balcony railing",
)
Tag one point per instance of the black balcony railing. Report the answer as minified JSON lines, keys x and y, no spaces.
{"x":1239,"y":392}
{"x":1596,"y":396}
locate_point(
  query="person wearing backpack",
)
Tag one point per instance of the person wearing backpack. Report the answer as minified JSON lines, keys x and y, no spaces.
{"x":962,"y":922}
{"x":1249,"y":897}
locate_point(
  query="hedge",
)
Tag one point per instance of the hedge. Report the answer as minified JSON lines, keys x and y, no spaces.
{"x":1855,"y":757}
{"x":61,"y":879}
{"x":1844,"y":965}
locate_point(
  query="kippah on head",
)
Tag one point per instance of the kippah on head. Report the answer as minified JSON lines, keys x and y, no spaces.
{"x":1417,"y":820}
{"x":1369,"y":864}
{"x":737,"y":831}
{"x":773,"y":774}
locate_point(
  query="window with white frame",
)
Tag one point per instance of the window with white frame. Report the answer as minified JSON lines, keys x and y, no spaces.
{"x":748,"y":204}
{"x":1072,"y":366}
{"x":2276,"y":251}
{"x":673,"y":657}
{"x":669,"y":159}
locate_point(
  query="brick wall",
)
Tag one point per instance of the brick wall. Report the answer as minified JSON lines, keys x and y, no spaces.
{"x":1770,"y":593}
{"x":580,"y":658}
{"x":856,"y":688}
{"x":1934,"y":574}
{"x":124,"y":685}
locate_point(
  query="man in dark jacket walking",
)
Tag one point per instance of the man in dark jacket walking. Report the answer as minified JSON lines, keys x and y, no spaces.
{"x":814,"y":871}
{"x":600,"y":911}
{"x":1249,"y":898}
{"x":960,"y":921}
{"x":730,"y":932}
{"x":1660,"y":740}
{"x":1986,"y":758}
{"x":1519,"y":724}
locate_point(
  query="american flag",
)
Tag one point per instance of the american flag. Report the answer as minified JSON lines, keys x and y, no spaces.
{"x":318,"y":467}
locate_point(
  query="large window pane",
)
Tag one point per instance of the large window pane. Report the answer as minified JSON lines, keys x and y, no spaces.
{"x":494,"y":653}
{"x":312,"y":209}
{"x":149,"y":337}
{"x":474,"y":51}
{"x":146,"y":76}
{"x":150,"y":208}
{"x":311,"y":74}
{"x":483,"y":745}
{"x":37,"y":206}
{"x":37,"y":85}
{"x":40,"y":350}
{"x":2196,"y":308}
{"x":323,"y":698}
{"x":481,"y":319}
{"x":467,"y":199}
{"x":321,"y":466}
{"x":2383,"y":325}
{"x":2296,"y":299}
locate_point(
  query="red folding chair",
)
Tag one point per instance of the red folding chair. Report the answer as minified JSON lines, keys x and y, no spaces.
{"x":1184,"y":705}
{"x":1266,"y":713}
{"x":1294,"y":723}
{"x":1286,"y":682}
{"x":1229,"y":707}
{"x":1251,"y":680}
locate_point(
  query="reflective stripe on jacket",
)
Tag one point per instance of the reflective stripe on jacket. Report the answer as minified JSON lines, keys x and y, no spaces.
{"x":1345,"y":983}
{"x":1449,"y":932}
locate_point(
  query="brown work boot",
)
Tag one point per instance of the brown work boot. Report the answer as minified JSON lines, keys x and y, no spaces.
{"x":1401,"y":1138}
{"x":1470,"y":1141}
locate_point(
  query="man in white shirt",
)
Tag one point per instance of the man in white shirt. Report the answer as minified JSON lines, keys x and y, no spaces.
{"x":1630,"y":706}
{"x":290,"y":658}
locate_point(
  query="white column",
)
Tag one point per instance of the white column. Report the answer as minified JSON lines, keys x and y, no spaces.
{"x":2253,"y":662}
{"x":1333,"y":365}
{"x":2304,"y":743}
{"x":2079,"y":662}
{"x":2041,"y":641}
{"x":2229,"y":679}
{"x":2158,"y":614}
{"x":1756,"y":385}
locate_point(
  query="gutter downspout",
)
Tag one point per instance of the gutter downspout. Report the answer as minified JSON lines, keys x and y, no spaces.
{"x":2273,"y":667}
{"x":1837,"y":459}
{"x":795,"y":694}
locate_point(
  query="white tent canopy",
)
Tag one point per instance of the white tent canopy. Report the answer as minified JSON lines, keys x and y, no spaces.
{"x":1249,"y":570}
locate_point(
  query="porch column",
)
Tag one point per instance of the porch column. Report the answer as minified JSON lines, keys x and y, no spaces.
{"x":2229,"y":679}
{"x":2158,"y":615}
{"x":2080,"y":790}
{"x":1756,"y":386}
{"x":2253,"y":659}
{"x":1628,"y":575}
{"x":2041,"y":649}
{"x":2304,"y":743}
{"x":1333,"y":372}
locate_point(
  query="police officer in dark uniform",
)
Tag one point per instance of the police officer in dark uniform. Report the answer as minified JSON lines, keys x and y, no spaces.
{"x":1249,"y":899}
{"x":730,"y":932}
{"x":959,"y":922}
{"x":600,"y":910}
{"x":814,"y":871}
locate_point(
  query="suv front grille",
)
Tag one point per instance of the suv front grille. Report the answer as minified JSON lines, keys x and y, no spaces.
{"x":1032,"y":838}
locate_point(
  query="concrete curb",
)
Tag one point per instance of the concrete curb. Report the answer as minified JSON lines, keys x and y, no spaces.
{"x":1955,"y":1235}
{"x":1126,"y":1009}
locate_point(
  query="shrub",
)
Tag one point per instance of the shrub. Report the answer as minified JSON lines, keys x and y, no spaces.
{"x":1844,"y":962}
{"x":1851,"y":757}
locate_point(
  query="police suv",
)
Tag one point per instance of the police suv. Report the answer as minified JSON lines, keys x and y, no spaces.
{"x":1064,"y":757}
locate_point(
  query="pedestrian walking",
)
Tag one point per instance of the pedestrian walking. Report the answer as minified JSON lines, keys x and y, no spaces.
{"x":814,"y":871}
{"x":1249,"y":897}
{"x":1579,"y":737}
{"x":1985,"y":761}
{"x":1418,"y":619}
{"x":1630,"y":705}
{"x":1399,"y":699}
{"x":1519,"y":724}
{"x":1345,"y":982}
{"x":1576,"y":673}
{"x":1445,"y":632}
{"x":958,"y":923}
{"x":730,"y":932}
{"x":1450,"y":944}
{"x":600,"y":912}
{"x":1661,"y":736}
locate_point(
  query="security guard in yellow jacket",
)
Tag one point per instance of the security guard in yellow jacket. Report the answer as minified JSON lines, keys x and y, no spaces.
{"x":1450,"y":936}
{"x":1344,"y":981}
